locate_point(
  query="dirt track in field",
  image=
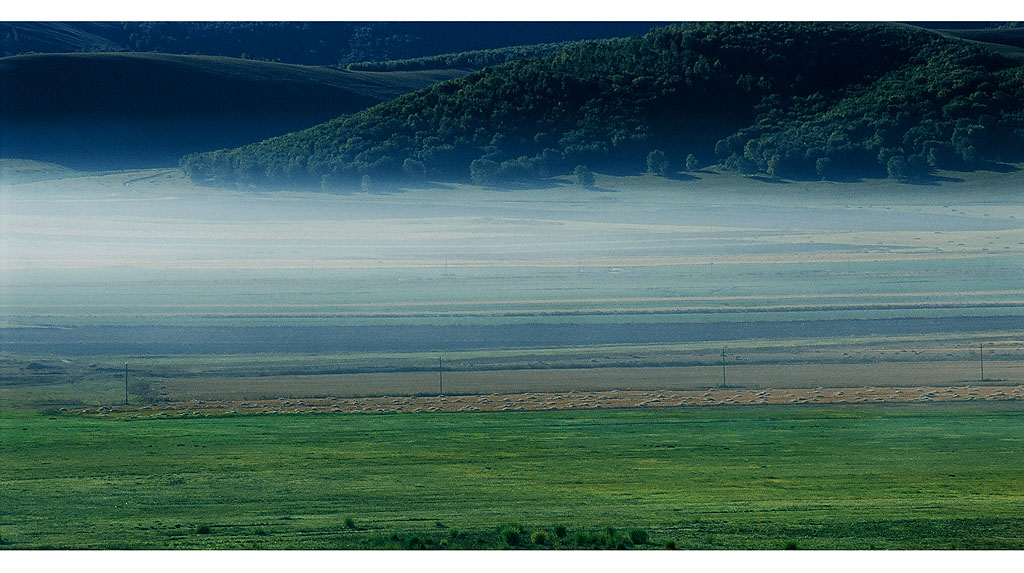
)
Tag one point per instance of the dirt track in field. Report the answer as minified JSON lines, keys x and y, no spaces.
{"x":582,"y":400}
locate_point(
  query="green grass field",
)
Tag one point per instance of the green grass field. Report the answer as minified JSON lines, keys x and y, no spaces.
{"x":922,"y":476}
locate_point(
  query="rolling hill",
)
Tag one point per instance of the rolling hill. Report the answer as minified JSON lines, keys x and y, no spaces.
{"x":1008,"y":42}
{"x":125,"y":110}
{"x":310,"y":43}
{"x":45,"y":37}
{"x":788,"y":100}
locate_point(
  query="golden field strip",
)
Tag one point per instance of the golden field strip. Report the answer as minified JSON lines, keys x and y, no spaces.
{"x":796,"y":377}
{"x":525,"y":401}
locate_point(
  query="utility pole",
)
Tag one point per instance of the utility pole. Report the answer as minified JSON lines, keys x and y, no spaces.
{"x":440,"y":377}
{"x":723,"y":367}
{"x":125,"y":383}
{"x":981,"y":351}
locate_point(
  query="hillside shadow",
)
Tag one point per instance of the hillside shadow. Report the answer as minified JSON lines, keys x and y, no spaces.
{"x":509,"y":187}
{"x":768,"y":179}
{"x":680,"y":176}
{"x":991,"y":166}
{"x":931,"y":181}
{"x":997,"y":167}
{"x":427,"y":186}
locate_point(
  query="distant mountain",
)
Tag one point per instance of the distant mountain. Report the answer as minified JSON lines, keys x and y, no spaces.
{"x":311,"y":43}
{"x":792,"y":100}
{"x":122,"y":110}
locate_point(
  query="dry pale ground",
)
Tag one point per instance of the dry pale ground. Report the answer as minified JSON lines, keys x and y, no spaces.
{"x":587,"y":400}
{"x":564,"y":380}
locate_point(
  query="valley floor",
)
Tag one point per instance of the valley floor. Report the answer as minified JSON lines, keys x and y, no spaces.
{"x":818,"y":476}
{"x":254,"y":325}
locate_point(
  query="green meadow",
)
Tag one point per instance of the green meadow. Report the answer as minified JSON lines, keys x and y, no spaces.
{"x":922,"y":476}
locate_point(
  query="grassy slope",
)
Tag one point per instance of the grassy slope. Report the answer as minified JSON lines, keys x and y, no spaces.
{"x":816,"y":477}
{"x":19,"y":171}
{"x":58,"y":37}
{"x":116,"y":110}
{"x":315,"y":43}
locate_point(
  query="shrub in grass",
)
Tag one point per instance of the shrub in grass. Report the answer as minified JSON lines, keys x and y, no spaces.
{"x":203,"y":529}
{"x":380,"y":542}
{"x":539,"y":537}
{"x":670,"y":545}
{"x":614,"y":540}
{"x":511,"y":533}
{"x":3,"y":541}
{"x":638,"y":536}
{"x":454,"y":533}
{"x":561,"y":531}
{"x":260,"y":531}
{"x":610,"y":538}
{"x":511,"y":536}
{"x":350,"y":523}
{"x":791,"y":545}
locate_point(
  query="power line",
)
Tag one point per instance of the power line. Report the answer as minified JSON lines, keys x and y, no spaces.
{"x":723,"y":368}
{"x":981,"y":351}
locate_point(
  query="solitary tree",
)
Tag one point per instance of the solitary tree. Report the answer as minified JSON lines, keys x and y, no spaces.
{"x":584,"y":176}
{"x":414,"y":170}
{"x":484,"y":172}
{"x":825,"y":167}
{"x":746,"y":166}
{"x":898,"y":168}
{"x":692,"y":163}
{"x":657,"y":163}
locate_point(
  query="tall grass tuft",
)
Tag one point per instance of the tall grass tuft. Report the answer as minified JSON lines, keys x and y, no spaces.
{"x":638,"y":536}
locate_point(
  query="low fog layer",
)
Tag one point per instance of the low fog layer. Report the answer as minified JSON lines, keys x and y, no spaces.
{"x":148,"y":249}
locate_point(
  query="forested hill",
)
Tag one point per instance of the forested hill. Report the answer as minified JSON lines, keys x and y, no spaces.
{"x":471,"y":60}
{"x":792,"y":100}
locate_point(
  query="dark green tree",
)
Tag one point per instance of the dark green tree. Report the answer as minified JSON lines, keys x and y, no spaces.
{"x":367,"y":184}
{"x":657,"y":163}
{"x":484,"y":172}
{"x":824,"y":168}
{"x":414,"y":170}
{"x":584,"y":176}
{"x":897,"y":168}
